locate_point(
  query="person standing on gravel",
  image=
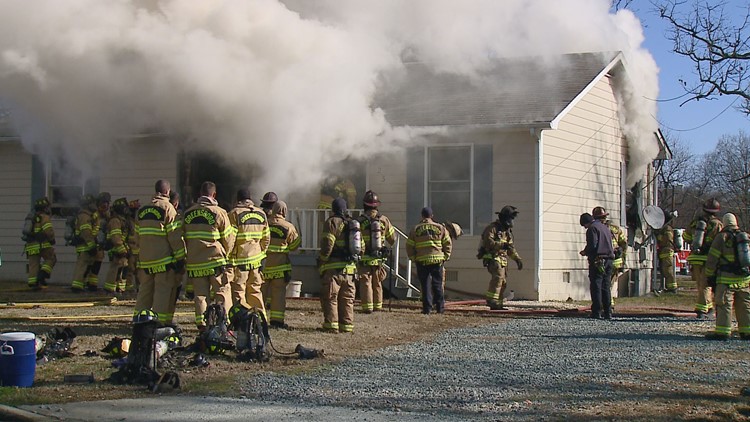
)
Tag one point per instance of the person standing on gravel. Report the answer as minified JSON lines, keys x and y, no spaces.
{"x":429,"y":246}
{"x":701,"y":234}
{"x":600,"y":254}
{"x":494,"y":250}
{"x":725,"y":272}
{"x":619,"y":244}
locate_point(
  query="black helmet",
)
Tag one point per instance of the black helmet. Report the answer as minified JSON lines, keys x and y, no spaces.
{"x":120,"y":205}
{"x":599,"y":213}
{"x":87,"y":200}
{"x":371,"y":199}
{"x":711,"y":206}
{"x":41,"y":204}
{"x":338,"y":206}
{"x":103,"y":197}
{"x":145,"y":315}
{"x":268,"y":200}
{"x":244,"y":194}
{"x":508,"y":212}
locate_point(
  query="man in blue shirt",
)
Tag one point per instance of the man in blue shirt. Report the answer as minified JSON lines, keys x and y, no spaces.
{"x":600,"y":254}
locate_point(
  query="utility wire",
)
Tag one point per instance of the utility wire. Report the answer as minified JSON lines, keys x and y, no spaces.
{"x":699,"y":126}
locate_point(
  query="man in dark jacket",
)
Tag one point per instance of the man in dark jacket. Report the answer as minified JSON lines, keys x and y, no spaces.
{"x":600,"y":254}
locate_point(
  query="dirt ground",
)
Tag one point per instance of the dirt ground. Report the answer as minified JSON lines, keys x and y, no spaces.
{"x":96,"y":321}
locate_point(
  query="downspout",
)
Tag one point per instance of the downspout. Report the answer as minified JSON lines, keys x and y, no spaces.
{"x":538,"y":193}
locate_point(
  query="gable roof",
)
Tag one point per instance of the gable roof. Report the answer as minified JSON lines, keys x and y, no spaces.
{"x":527,"y":92}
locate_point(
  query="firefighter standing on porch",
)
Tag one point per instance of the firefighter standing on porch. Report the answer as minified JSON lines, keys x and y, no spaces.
{"x":162,"y":254}
{"x":727,"y":270}
{"x":278,"y":269}
{"x":117,"y":244}
{"x":209,"y":238}
{"x":337,"y":267}
{"x":85,"y":242}
{"x":495,"y":248}
{"x":250,"y":226}
{"x":376,"y":230}
{"x":40,"y":239}
{"x":701,"y":233}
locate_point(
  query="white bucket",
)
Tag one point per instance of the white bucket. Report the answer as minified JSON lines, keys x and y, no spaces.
{"x":294,"y":288}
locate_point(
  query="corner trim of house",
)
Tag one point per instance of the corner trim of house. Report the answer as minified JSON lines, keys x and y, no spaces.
{"x":538,"y":134}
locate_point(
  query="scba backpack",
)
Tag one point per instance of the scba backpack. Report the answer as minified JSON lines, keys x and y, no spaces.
{"x":215,"y":339}
{"x":251,"y":328}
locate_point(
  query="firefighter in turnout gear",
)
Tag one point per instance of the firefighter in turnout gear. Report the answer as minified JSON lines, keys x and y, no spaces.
{"x":117,"y":245}
{"x":376,"y":231}
{"x":278,"y":269}
{"x":39,"y":249}
{"x":337,"y":267}
{"x":727,"y":270}
{"x":209,"y":238}
{"x":429,"y":246}
{"x":162,"y":254}
{"x":85,"y":242}
{"x":336,"y":187}
{"x":665,"y":248}
{"x":700,"y":234}
{"x":495,"y":248}
{"x":251,"y":240}
{"x":182,"y":279}
{"x":267,"y":202}
{"x":131,"y":272}
{"x":620,"y":246}
{"x":98,"y":224}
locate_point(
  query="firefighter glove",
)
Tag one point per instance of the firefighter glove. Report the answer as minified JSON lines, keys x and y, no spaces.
{"x":519,"y":263}
{"x":711,"y":281}
{"x":179,"y":266}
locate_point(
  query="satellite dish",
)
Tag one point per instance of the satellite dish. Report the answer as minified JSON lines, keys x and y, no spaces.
{"x":654,"y":217}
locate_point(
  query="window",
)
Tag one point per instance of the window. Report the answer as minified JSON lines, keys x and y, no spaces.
{"x":449,"y":171}
{"x":63,"y":184}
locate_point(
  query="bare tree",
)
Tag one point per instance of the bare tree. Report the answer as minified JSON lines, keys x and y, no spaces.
{"x":621,"y":4}
{"x":724,"y":172}
{"x":716,"y":38}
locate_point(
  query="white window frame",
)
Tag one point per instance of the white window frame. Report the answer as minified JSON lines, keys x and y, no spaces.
{"x":468,"y":231}
{"x":49,"y":185}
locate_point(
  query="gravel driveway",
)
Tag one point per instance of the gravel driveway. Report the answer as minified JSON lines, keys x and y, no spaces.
{"x":516,"y":369}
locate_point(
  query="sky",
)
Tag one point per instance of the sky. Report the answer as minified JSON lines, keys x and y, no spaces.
{"x":699,"y":124}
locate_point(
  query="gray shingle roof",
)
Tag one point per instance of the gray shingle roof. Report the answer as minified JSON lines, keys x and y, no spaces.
{"x":512,"y":93}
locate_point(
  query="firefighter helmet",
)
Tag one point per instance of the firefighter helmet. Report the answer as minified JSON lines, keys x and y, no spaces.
{"x":454,"y":230}
{"x":599,"y":213}
{"x":144,"y":315}
{"x":103,"y":197}
{"x":120,"y":205}
{"x":41,"y":203}
{"x":371,"y":199}
{"x":711,"y":206}
{"x":268,"y":200}
{"x":338,"y":206}
{"x":507,"y":213}
{"x":87,"y":200}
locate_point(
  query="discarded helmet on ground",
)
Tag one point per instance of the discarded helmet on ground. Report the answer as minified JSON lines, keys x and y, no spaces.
{"x":145,"y":315}
{"x":599,"y":213}
{"x":371,"y":199}
{"x":711,"y":206}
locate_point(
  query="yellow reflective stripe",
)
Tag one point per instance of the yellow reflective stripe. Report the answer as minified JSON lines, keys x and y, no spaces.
{"x":410,"y":242}
{"x":278,"y":249}
{"x":202,"y":235}
{"x":429,"y":244}
{"x":150,"y":231}
{"x":180,"y":253}
{"x":277,"y":269}
{"x":249,"y":235}
{"x":46,"y":226}
{"x":84,"y":227}
{"x":206,"y":265}
{"x":156,"y":262}
{"x":430,"y":259}
{"x":173,"y":226}
{"x":295,"y":244}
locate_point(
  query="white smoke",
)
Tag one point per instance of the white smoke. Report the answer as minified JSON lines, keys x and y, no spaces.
{"x":287,"y":87}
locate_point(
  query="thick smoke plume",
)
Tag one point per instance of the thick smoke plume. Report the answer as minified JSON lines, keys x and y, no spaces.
{"x":284,"y":86}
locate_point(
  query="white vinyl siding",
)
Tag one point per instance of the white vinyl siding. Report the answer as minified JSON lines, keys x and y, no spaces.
{"x":15,"y":172}
{"x":581,"y":170}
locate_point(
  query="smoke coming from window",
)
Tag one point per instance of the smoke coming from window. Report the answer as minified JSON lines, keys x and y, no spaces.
{"x":287,"y":86}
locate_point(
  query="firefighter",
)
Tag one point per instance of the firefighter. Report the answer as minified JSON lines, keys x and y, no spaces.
{"x":39,"y":245}
{"x":725,"y":272}
{"x":700,"y":234}
{"x":117,"y":245}
{"x":267,"y":202}
{"x":98,"y":224}
{"x":336,"y":187}
{"x":620,"y":245}
{"x":600,"y":253}
{"x":494,"y":250}
{"x":162,"y":254}
{"x":337,"y":267}
{"x":277,"y":271}
{"x":209,"y":238}
{"x":86,"y":242}
{"x":429,"y":246}
{"x":251,"y":240}
{"x":131,"y":272}
{"x":376,"y":231}
{"x":665,"y":247}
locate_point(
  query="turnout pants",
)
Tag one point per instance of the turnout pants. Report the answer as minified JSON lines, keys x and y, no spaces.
{"x":115,"y":281}
{"x":431,"y":282}
{"x":92,"y":281}
{"x":726,"y":295}
{"x":371,"y":279}
{"x":667,"y":270}
{"x":157,"y":291}
{"x":705,"y":296}
{"x":498,"y":282}
{"x":337,"y":292}
{"x":40,"y":267}
{"x":245,"y":285}
{"x":219,"y":283}
{"x":81,"y":270}
{"x":274,"y":292}
{"x":599,"y":284}
{"x":131,"y":275}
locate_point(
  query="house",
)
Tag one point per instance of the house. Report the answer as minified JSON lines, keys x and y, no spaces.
{"x":544,"y":138}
